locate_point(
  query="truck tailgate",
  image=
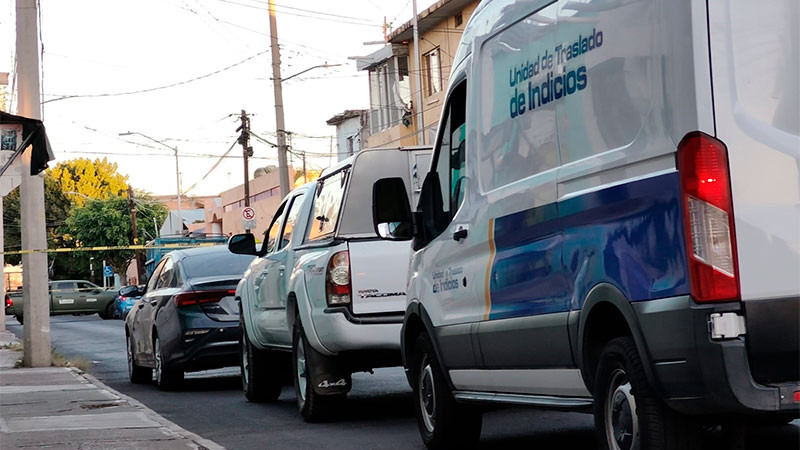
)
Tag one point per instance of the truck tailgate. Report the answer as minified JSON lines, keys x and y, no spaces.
{"x":378,"y":272}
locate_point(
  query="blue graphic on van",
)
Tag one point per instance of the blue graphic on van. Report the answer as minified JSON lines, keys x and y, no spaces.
{"x":549,"y":257}
{"x":554,"y":85}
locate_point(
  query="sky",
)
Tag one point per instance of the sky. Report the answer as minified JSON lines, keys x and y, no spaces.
{"x":217,"y":52}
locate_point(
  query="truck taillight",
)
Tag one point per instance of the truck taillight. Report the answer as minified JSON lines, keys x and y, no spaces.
{"x":337,"y":279}
{"x":195,"y":298}
{"x":9,"y":302}
{"x":708,"y":218}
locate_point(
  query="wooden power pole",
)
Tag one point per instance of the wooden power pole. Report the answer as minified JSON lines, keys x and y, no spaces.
{"x":135,"y":238}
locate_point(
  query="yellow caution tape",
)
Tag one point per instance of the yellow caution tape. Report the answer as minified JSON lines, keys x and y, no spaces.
{"x":110,"y":247}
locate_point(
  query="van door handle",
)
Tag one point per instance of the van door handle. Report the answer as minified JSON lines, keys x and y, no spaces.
{"x":460,"y":234}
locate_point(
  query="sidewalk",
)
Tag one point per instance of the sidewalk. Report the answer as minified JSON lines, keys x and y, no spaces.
{"x":64,"y":408}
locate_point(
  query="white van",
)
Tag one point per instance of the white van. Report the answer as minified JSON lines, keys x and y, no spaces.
{"x":611,"y":221}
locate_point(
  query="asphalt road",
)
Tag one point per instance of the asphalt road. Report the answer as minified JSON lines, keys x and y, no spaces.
{"x":377,"y":415}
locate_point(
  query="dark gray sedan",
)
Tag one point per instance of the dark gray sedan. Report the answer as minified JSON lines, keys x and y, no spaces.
{"x":188,"y":318}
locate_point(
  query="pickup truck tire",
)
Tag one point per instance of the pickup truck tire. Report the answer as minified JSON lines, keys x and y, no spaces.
{"x":628,"y":413}
{"x":442,"y":422}
{"x":107,"y":313}
{"x":167,"y":378}
{"x":312,"y":406}
{"x":261,"y":378}
{"x":19,"y":319}
{"x":137,"y":373}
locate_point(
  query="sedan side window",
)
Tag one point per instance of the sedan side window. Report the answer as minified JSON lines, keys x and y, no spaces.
{"x":165,"y":279}
{"x":156,"y":274}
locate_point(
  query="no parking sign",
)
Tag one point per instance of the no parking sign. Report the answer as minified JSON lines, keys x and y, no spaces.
{"x":248,"y":218}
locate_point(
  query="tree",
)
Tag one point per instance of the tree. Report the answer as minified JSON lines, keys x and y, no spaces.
{"x":67,"y":185}
{"x":107,"y":223}
{"x":81,"y":179}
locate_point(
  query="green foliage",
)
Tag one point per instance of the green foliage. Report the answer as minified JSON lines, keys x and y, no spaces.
{"x":107,"y":223}
{"x":67,"y":187}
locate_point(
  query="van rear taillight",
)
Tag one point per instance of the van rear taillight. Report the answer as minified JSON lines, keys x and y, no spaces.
{"x":708,"y":218}
{"x":195,"y":298}
{"x":337,"y":279}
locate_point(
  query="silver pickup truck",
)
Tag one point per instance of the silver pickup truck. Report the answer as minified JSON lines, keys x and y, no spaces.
{"x":70,"y":297}
{"x":325,"y":297}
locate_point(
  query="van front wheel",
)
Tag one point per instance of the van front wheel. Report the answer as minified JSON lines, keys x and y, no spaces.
{"x":628,"y":414}
{"x":442,"y":422}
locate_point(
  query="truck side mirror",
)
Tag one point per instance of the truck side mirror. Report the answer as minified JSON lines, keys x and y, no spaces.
{"x":391,"y":214}
{"x":242,"y":244}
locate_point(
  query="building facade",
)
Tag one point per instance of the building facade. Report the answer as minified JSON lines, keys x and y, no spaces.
{"x":352,"y":130}
{"x":393,"y":75}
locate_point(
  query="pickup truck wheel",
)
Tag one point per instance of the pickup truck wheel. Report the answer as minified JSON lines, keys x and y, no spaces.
{"x":167,"y":378}
{"x":19,"y":319}
{"x":628,"y":413}
{"x":137,"y":373}
{"x":261,"y":379}
{"x":107,"y":313}
{"x":442,"y":422}
{"x":313,"y":407}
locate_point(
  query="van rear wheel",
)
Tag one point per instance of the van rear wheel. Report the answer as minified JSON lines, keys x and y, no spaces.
{"x":628,"y":413}
{"x":442,"y":422}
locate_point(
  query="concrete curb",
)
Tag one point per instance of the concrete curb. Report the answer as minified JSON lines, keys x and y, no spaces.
{"x":200,"y":442}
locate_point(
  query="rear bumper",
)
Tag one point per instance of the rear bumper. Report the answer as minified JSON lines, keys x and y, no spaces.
{"x":337,"y":330}
{"x":696,"y":374}
{"x":216,"y":349}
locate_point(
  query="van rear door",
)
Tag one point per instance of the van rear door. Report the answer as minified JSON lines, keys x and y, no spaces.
{"x":755,"y":65}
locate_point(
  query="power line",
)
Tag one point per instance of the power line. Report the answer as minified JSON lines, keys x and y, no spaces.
{"x":142,"y":91}
{"x":320,"y":16}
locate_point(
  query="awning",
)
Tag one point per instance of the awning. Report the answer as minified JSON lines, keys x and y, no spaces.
{"x":33,"y":133}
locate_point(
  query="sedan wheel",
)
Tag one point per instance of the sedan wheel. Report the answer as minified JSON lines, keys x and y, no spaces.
{"x":166,"y":378}
{"x":136,"y":373}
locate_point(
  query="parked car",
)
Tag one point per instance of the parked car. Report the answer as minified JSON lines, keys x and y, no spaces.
{"x":125,"y":300}
{"x":324,"y":289}
{"x":610,"y":222}
{"x":187,"y":320}
{"x":70,"y":297}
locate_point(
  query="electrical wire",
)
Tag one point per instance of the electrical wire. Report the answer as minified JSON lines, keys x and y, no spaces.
{"x":142,"y":91}
{"x":216,"y":164}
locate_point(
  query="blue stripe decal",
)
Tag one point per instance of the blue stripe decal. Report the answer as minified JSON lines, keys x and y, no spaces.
{"x":549,"y":257}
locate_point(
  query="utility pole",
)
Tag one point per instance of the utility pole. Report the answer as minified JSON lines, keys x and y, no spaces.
{"x":418,"y":106}
{"x":283,"y":167}
{"x":247,"y":151}
{"x":35,"y":304}
{"x":135,"y":238}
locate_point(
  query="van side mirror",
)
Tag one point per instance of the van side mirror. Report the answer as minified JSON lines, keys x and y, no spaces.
{"x":391,"y":214}
{"x":242,"y":244}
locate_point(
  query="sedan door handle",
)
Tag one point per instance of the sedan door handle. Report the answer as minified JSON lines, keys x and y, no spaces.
{"x":153,"y":302}
{"x":141,"y":305}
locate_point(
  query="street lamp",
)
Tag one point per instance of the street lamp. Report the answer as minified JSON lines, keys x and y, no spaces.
{"x":177,"y":173}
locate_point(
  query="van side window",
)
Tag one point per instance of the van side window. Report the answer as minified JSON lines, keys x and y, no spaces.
{"x":451,"y":151}
{"x":327,"y":202}
{"x":516,"y":100}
